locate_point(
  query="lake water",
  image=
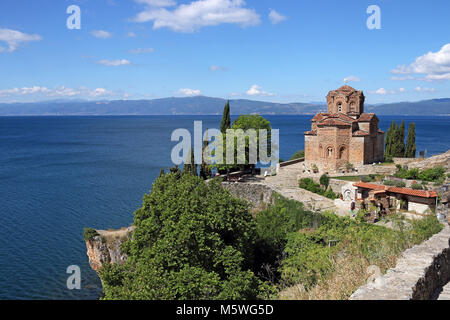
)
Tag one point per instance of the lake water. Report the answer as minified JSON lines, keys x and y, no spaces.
{"x":60,"y":174}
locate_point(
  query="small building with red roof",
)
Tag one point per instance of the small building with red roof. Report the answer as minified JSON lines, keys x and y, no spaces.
{"x":419,"y":201}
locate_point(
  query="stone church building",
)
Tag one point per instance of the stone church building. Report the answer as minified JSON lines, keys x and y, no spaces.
{"x":345,"y":134}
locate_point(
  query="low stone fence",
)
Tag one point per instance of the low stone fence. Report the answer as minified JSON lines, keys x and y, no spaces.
{"x":258,"y":194}
{"x":418,"y":275}
{"x":290,"y":162}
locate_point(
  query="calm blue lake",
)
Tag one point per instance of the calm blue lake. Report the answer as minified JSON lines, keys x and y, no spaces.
{"x":60,"y":174}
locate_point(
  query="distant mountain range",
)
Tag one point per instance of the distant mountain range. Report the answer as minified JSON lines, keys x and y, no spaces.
{"x":207,"y":106}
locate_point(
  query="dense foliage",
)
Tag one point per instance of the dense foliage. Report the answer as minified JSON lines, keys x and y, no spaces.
{"x":246,"y":122}
{"x":310,"y":185}
{"x":436,"y":174}
{"x":410,"y":151}
{"x":395,"y":142}
{"x":192,"y":241}
{"x":305,"y":247}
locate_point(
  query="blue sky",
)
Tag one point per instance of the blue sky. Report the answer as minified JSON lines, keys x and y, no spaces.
{"x":284,"y":51}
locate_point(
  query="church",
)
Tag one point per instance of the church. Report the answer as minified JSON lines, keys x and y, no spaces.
{"x":344,"y":134}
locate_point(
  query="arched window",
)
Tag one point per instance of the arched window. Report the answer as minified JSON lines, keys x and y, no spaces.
{"x":339,"y":106}
{"x":330,"y":152}
{"x":341,"y":152}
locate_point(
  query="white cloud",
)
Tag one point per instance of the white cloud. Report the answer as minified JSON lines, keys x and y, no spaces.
{"x":101,"y":34}
{"x":215,"y":68}
{"x":434,"y":65}
{"x":114,"y":63}
{"x":255,"y":90}
{"x":61,"y":91}
{"x":383,"y":92}
{"x":276,"y":17}
{"x":14,"y":38}
{"x":402,"y":78}
{"x":142,"y":50}
{"x":426,"y":90}
{"x":197,"y":14}
{"x":402,"y":90}
{"x":189,"y":92}
{"x":352,"y":79}
{"x":131,"y":35}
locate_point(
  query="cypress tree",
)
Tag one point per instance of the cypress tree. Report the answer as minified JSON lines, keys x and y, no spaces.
{"x":401,"y":141}
{"x":189,"y":165}
{"x":411,"y":141}
{"x":226,"y":119}
{"x":388,"y":150}
{"x":205,"y":170}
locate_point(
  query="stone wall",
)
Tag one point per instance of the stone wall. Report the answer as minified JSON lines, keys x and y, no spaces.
{"x":419,"y":274}
{"x":258,"y":194}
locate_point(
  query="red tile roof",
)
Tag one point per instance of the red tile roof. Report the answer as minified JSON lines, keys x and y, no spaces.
{"x":370,"y":186}
{"x":326,"y":119}
{"x":406,"y":191}
{"x":333,"y":122}
{"x":366,"y":117}
{"x":319,"y":116}
{"x":360,"y":133}
{"x":412,"y":192}
{"x":346,"y":89}
{"x":311,"y":133}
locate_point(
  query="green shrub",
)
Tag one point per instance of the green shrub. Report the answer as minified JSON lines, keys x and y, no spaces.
{"x":324,"y":180}
{"x":400,"y":184}
{"x":298,"y":155}
{"x":417,"y":186}
{"x":389,"y":183}
{"x":366,"y":179}
{"x":193,"y":240}
{"x":432,"y":174}
{"x":439,"y":181}
{"x":310,"y":185}
{"x":89,"y":233}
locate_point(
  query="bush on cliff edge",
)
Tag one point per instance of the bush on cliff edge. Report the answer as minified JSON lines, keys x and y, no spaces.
{"x":192,"y":241}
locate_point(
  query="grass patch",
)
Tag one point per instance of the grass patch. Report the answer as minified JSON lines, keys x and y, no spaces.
{"x":324,"y":256}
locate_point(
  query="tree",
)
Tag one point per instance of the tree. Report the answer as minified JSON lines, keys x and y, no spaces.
{"x":193,"y":241}
{"x":400,"y":142}
{"x":226,"y":119}
{"x":205,"y":170}
{"x":324,"y":180}
{"x":411,"y":141}
{"x":189,"y":166}
{"x":388,"y":150}
{"x":257,"y":122}
{"x":245,"y":122}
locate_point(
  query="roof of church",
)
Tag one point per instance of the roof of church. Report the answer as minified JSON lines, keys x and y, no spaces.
{"x":333,"y":122}
{"x":360,"y":133}
{"x":345,"y":88}
{"x":366,"y":117}
{"x":311,"y":133}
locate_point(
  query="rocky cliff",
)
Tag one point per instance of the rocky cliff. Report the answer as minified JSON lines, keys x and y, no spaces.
{"x":105,"y":247}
